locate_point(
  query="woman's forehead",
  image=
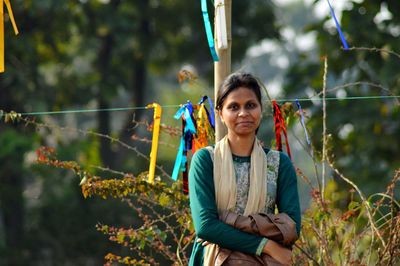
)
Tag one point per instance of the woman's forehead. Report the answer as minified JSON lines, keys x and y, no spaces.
{"x":241,"y":94}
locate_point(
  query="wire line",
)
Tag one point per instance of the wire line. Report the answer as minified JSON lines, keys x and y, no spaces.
{"x":176,"y":106}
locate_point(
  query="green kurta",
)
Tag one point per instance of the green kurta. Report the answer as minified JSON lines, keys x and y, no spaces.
{"x":204,"y":210}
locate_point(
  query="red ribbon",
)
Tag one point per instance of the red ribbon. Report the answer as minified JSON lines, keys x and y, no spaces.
{"x":279,"y":123}
{"x":185,"y":181}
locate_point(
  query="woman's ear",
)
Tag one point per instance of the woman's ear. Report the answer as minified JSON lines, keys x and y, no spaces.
{"x":220,"y":116}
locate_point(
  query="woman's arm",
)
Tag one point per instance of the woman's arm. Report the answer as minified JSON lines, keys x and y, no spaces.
{"x":204,"y":210}
{"x":287,"y":198}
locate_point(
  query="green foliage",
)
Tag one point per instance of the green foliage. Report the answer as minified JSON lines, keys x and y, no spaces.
{"x":340,"y":227}
{"x":363,"y":133}
{"x":13,"y":145}
{"x":165,"y":224}
{"x":335,"y":235}
{"x":97,"y":52}
{"x":89,"y":54}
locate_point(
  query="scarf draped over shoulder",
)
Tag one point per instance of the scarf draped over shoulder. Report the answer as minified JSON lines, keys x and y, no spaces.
{"x":225,"y":185}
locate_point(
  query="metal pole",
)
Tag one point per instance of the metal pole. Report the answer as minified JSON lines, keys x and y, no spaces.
{"x":222,"y":68}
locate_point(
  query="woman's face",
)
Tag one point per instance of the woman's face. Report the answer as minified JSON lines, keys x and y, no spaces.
{"x":241,"y":112}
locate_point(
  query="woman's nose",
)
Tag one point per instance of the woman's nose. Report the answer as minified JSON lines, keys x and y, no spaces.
{"x":243,"y":112}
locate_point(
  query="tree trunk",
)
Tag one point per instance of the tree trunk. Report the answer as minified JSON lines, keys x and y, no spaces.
{"x":139,"y":81}
{"x":11,"y":204}
{"x":103,"y":118}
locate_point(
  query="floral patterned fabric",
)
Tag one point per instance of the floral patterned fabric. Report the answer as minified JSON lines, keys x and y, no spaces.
{"x":242,"y":172}
{"x":272,"y":177}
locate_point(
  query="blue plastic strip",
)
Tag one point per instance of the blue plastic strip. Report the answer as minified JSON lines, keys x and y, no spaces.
{"x":189,"y":106}
{"x":183,"y":163}
{"x":189,"y":123}
{"x":186,"y":139}
{"x":178,"y":160}
{"x":202,"y":99}
{"x":346,"y":47}
{"x":212,"y":116}
{"x":207,"y":26}
{"x":179,"y":113}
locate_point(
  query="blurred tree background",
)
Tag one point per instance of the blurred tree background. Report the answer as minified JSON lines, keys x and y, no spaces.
{"x":364,"y":134}
{"x":92,"y":54}
{"x":111,"y":53}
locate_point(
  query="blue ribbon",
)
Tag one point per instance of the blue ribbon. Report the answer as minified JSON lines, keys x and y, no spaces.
{"x":189,"y":127}
{"x":212,"y":116}
{"x":207,"y":26}
{"x":179,"y":113}
{"x":178,"y":160}
{"x":302,"y":122}
{"x":185,"y":112}
{"x":189,"y":106}
{"x":346,"y":47}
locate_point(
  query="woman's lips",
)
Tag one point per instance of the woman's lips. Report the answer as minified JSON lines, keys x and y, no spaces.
{"x":244,"y":123}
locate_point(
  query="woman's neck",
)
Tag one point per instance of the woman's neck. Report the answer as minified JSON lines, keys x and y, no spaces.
{"x":241,"y":146}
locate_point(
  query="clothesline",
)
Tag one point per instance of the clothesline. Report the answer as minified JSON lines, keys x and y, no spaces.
{"x":177,"y":106}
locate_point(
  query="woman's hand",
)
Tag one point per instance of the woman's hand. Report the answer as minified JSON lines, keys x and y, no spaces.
{"x":278,"y":252}
{"x":203,"y":243}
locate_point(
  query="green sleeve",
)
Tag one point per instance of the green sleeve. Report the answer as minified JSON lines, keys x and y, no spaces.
{"x":204,"y":210}
{"x":287,"y":198}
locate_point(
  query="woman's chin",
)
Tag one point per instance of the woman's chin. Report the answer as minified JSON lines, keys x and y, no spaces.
{"x":245,"y":131}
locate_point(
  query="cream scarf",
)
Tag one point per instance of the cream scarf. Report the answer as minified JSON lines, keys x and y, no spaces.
{"x":225,"y":185}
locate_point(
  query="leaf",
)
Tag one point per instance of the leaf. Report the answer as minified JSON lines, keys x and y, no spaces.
{"x":120,"y":237}
{"x":163,"y":236}
{"x":142,"y":244}
{"x":104,"y":229}
{"x":354,"y":205}
{"x":83,"y":180}
{"x":164,"y":200}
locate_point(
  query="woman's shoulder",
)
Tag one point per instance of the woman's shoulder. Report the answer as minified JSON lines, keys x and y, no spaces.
{"x":283,"y":157}
{"x":203,"y":154}
{"x":270,"y":152}
{"x":201,"y":165}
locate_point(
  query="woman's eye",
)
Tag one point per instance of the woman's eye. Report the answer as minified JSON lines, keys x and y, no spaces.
{"x":233,"y":107}
{"x":251,"y":105}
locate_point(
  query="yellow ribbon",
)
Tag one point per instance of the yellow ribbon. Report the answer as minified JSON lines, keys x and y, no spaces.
{"x":154,"y":142}
{"x":200,"y":140}
{"x":10,"y":13}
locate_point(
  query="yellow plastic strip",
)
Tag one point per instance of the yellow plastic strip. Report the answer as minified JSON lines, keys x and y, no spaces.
{"x":7,"y":2}
{"x":154,"y":142}
{"x":10,"y":13}
{"x":1,"y":37}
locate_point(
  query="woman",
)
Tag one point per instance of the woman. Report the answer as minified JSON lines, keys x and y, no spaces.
{"x":241,"y":176}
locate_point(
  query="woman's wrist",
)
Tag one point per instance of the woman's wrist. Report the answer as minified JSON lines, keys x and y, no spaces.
{"x":261,"y":246}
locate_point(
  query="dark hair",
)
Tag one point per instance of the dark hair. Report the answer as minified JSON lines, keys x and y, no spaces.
{"x":235,"y":81}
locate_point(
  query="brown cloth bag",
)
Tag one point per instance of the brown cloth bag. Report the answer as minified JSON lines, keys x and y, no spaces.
{"x":277,"y":227}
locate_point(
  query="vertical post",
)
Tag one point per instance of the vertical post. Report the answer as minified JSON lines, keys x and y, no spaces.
{"x":222,"y":68}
